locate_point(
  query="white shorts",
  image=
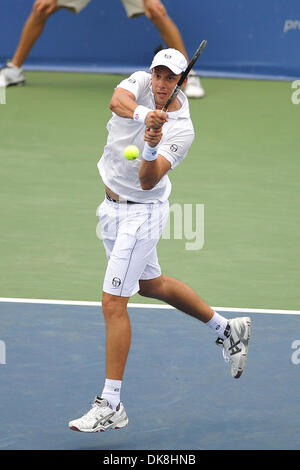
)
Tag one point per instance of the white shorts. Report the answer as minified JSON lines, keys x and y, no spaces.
{"x":75,"y":5}
{"x":133,"y":7}
{"x":130,"y":233}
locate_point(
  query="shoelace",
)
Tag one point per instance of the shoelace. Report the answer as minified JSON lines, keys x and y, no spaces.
{"x":226,"y":356}
{"x":92,"y":412}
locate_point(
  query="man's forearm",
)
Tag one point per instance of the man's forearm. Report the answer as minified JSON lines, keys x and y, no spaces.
{"x":149,"y":173}
{"x":153,"y":166}
{"x":123,"y":105}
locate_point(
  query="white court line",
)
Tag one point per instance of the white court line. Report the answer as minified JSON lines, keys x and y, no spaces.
{"x":153,"y":306}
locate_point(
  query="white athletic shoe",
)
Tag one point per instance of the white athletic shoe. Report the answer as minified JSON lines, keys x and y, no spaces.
{"x":100,"y":418}
{"x":193,"y":88}
{"x":235,"y":347}
{"x":12,"y":75}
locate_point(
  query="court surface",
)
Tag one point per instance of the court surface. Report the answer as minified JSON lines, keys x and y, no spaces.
{"x":244,"y":168}
{"x":177,"y":390}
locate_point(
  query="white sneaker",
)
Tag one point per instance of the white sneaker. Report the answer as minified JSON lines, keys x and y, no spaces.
{"x":12,"y":75}
{"x":193,"y":88}
{"x":100,"y":418}
{"x":235,"y":347}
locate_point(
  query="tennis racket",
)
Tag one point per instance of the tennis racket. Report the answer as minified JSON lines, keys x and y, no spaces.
{"x":185,"y":74}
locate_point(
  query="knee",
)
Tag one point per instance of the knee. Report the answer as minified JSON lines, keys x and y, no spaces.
{"x":158,"y":14}
{"x":38,"y":15}
{"x":112,"y":306}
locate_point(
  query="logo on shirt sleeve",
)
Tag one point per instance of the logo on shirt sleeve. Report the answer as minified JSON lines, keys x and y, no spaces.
{"x":174,"y":147}
{"x":132,"y":80}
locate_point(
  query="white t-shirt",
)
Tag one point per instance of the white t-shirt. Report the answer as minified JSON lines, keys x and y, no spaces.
{"x":120,"y":174}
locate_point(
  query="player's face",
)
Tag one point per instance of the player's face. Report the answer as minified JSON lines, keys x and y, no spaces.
{"x":163,"y":84}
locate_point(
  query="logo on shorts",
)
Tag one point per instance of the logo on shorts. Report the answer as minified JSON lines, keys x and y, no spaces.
{"x":116,"y":282}
{"x":174,"y":147}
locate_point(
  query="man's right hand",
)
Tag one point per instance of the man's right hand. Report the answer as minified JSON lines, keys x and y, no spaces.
{"x":156,"y":119}
{"x":152,"y":136}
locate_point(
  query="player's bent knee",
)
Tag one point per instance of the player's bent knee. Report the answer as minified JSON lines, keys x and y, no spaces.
{"x":151,"y":288}
{"x":145,"y":292}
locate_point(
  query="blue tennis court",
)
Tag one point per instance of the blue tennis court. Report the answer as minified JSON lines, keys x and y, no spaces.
{"x":177,"y":390}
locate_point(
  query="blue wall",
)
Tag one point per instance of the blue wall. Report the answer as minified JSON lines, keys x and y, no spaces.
{"x":245,"y":38}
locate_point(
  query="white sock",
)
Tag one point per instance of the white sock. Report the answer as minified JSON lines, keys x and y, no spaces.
{"x":218,"y":325}
{"x":111,"y":392}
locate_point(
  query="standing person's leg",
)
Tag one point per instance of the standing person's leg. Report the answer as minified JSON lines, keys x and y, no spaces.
{"x":157,"y":13}
{"x":170,"y":34}
{"x":32,"y":30}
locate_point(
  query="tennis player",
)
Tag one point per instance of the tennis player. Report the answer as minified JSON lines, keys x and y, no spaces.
{"x":133,"y":215}
{"x":13,"y":74}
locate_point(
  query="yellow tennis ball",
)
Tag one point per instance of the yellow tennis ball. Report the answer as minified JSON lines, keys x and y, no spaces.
{"x":131,"y":152}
